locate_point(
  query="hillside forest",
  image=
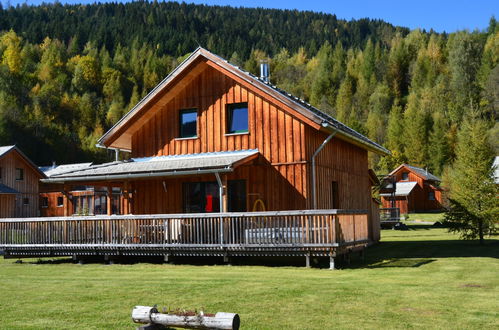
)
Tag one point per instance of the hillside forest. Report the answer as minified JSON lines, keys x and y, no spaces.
{"x":69,"y":72}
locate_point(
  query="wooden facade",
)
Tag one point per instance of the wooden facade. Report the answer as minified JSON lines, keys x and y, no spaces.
{"x":426,"y":195}
{"x":24,"y":202}
{"x":280,"y":177}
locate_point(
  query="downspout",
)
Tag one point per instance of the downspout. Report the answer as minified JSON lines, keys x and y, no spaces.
{"x":314,"y":188}
{"x":220,"y":192}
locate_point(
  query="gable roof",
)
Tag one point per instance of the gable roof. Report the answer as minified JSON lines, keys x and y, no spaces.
{"x":307,"y":111}
{"x":4,"y":150}
{"x":421,"y":172}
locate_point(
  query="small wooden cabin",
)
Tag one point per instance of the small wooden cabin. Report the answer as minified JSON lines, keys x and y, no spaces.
{"x":212,"y":137}
{"x":416,"y":190}
{"x":19,"y":184}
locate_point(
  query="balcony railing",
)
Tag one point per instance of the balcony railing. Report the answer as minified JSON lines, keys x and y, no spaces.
{"x":307,"y":232}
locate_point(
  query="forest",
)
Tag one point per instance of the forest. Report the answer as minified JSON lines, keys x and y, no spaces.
{"x":69,"y":72}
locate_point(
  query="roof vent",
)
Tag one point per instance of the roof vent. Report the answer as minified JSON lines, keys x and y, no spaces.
{"x":264,"y":71}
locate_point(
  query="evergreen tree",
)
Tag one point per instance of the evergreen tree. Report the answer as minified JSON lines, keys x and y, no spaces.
{"x":474,"y":206}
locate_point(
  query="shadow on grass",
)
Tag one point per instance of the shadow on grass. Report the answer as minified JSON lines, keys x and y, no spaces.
{"x":405,"y":262}
{"x":420,"y":253}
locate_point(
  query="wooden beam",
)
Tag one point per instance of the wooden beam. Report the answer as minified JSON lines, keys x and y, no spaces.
{"x":109,"y":200}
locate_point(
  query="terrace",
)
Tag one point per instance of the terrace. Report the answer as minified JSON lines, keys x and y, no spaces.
{"x":306,"y":233}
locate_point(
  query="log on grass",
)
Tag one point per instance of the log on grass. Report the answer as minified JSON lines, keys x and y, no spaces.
{"x":146,"y":314}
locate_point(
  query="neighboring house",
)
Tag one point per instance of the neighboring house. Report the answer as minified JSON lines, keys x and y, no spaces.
{"x":19,"y":184}
{"x":85,"y":200}
{"x":212,"y":137}
{"x":416,"y":190}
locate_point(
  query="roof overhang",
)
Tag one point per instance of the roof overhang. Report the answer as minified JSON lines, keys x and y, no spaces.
{"x":402,"y":189}
{"x":156,"y":167}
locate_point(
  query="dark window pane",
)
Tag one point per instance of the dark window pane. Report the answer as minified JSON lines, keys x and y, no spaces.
{"x":19,"y":174}
{"x":201,"y":197}
{"x":335,"y":195}
{"x":188,"y":123}
{"x":45,"y":202}
{"x":237,"y":196}
{"x":60,"y":201}
{"x":405,"y":176}
{"x":238,"y":118}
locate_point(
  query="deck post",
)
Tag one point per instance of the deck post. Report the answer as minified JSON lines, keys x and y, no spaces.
{"x":307,"y":260}
{"x":109,"y":200}
{"x":67,"y":203}
{"x":167,"y":257}
{"x":331,"y":262}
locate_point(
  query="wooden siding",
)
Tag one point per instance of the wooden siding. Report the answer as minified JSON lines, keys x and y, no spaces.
{"x":7,"y":206}
{"x":276,"y":133}
{"x":52,"y":210}
{"x":27,"y":188}
{"x":280,"y":179}
{"x":345,"y":164}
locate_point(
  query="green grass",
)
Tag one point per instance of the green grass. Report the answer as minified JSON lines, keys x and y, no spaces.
{"x":426,"y":217}
{"x":421,"y":278}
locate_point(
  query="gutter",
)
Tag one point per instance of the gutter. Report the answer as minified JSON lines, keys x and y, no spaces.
{"x":110,"y":177}
{"x":319,"y":149}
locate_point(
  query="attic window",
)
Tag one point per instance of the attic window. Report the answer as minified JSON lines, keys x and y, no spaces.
{"x":405,"y":176}
{"x":431,"y":195}
{"x":237,"y":118}
{"x":188,"y":123}
{"x":19,"y":174}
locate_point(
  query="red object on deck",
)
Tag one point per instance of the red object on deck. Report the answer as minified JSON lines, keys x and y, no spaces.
{"x":209,"y":203}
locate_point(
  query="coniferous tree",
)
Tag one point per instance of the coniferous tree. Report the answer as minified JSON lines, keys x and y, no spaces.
{"x":474,"y":206}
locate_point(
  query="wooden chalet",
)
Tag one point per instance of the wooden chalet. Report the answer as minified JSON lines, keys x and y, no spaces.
{"x":19,"y":181}
{"x":222,"y":157}
{"x":416,"y":190}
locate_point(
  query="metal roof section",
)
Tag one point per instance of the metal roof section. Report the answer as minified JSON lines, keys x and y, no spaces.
{"x":6,"y":190}
{"x":5,"y":149}
{"x":297,"y":104}
{"x":60,"y":169}
{"x":160,"y":166}
{"x":403,"y":188}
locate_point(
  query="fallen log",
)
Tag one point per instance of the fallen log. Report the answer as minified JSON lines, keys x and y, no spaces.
{"x":146,"y":314}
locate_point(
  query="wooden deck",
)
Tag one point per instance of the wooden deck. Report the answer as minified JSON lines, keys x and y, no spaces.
{"x":284,"y":233}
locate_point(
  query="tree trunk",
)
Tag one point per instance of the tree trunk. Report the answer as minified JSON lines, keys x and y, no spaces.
{"x":480,"y":231}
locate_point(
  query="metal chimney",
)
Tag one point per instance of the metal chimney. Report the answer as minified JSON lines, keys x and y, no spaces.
{"x":264,"y":71}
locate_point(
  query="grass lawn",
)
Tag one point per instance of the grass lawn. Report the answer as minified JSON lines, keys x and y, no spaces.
{"x":423,"y":277}
{"x":426,"y":217}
